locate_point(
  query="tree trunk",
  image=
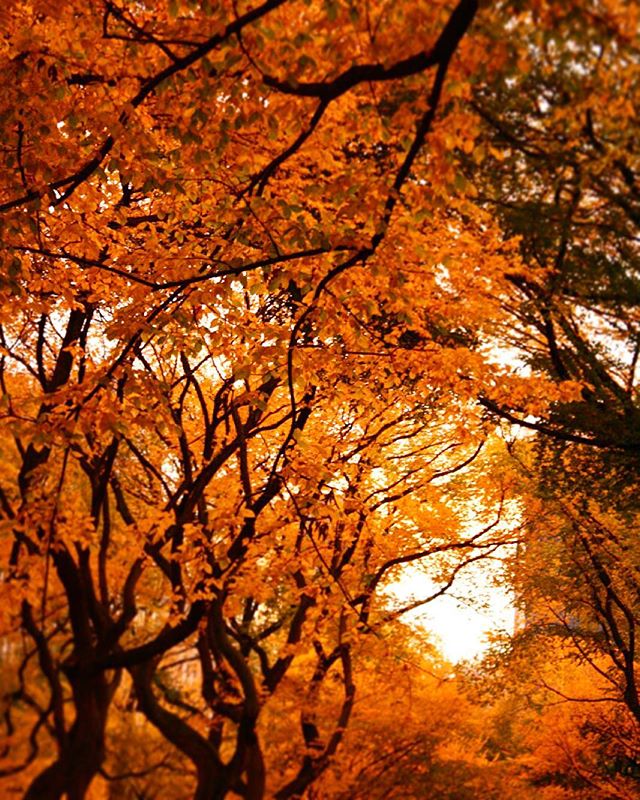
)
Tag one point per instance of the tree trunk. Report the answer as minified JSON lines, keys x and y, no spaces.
{"x":82,"y":754}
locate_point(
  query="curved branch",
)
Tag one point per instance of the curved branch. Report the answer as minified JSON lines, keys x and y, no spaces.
{"x":63,"y":188}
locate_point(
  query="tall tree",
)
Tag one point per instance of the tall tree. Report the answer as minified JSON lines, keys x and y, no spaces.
{"x":240,"y":306}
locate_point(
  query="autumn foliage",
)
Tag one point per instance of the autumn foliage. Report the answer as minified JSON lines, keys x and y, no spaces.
{"x":283,"y":287}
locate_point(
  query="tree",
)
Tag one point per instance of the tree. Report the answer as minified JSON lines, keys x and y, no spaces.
{"x":240,"y":307}
{"x":260,"y":264}
{"x":561,"y":173}
{"x":552,"y":720}
{"x":563,"y":177}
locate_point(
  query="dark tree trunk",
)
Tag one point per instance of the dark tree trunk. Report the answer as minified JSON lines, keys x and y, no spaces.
{"x":83,"y":751}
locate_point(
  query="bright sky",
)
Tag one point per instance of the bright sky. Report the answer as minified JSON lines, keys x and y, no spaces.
{"x":459,"y":622}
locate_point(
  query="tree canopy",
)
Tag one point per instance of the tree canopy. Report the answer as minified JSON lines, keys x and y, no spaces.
{"x":295,"y":297}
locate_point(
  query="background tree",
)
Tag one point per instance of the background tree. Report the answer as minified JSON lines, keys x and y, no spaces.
{"x":561,"y":174}
{"x":559,"y":168}
{"x":236,"y":371}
